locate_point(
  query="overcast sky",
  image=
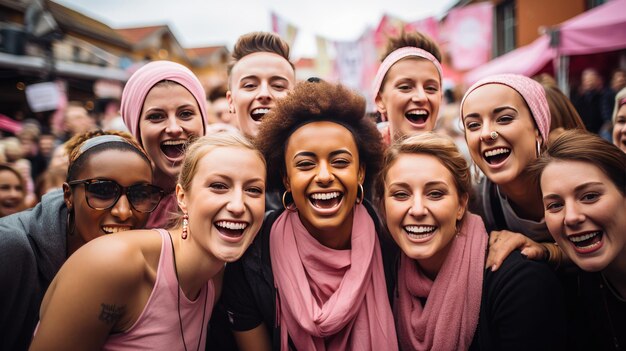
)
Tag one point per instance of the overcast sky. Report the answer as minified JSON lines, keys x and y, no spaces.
{"x":208,"y":22}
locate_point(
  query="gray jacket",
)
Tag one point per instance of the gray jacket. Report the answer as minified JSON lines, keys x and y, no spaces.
{"x":33,"y":248}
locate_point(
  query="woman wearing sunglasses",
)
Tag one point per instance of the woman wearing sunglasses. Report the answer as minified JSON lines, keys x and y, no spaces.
{"x":108,"y":190}
{"x":164,"y":107}
{"x":155,"y":289}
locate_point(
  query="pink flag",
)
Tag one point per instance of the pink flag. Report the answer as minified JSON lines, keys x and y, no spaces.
{"x":428,"y":26}
{"x":284,"y":29}
{"x":469,"y":34}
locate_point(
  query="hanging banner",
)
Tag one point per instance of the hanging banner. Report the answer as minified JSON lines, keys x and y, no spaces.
{"x":469,"y":34}
{"x":284,"y":29}
{"x":428,"y":26}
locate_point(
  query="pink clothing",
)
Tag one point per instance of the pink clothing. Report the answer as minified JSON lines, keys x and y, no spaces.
{"x":531,"y":91}
{"x":142,"y":81}
{"x":164,"y":213}
{"x":158,"y":326}
{"x":331,"y":299}
{"x":448,"y":319}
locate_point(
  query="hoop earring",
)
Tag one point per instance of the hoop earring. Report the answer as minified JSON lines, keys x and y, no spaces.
{"x":185,"y":226}
{"x":359,"y":199}
{"x":538,"y":148}
{"x":69,"y":222}
{"x":287,"y":207}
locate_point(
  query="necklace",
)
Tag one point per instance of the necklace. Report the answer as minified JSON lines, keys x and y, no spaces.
{"x":180,"y":320}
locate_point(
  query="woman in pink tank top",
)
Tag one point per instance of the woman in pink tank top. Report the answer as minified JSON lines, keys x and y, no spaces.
{"x":155,"y":289}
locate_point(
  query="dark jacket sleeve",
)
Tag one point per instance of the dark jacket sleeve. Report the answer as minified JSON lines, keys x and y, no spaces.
{"x":522,"y":307}
{"x":19,"y":293}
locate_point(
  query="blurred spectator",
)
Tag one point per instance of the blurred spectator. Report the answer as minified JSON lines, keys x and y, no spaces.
{"x":11,"y":191}
{"x":619,"y":120}
{"x":77,"y":120}
{"x":111,"y":118}
{"x":563,"y":114}
{"x":449,"y":123}
{"x":219,"y":107}
{"x":53,"y":178}
{"x":590,"y":100}
{"x":29,"y":137}
{"x":14,"y":152}
{"x":618,"y":81}
{"x":46,"y":145}
{"x":59,"y":157}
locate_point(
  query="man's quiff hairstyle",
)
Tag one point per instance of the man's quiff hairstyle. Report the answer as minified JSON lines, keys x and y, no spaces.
{"x":258,"y":42}
{"x":312,"y":102}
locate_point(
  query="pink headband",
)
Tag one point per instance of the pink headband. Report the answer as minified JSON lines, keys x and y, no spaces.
{"x":145,"y":78}
{"x":531,"y":91}
{"x":398,"y":55}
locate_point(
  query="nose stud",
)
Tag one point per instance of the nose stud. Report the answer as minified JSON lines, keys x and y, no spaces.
{"x":494,"y":135}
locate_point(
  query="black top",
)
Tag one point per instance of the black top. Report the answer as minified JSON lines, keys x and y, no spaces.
{"x":597,"y":314}
{"x":521,"y":308}
{"x":248,"y":292}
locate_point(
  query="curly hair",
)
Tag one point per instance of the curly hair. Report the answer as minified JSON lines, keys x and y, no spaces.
{"x":78,"y":159}
{"x":414,"y":39}
{"x":312,"y":102}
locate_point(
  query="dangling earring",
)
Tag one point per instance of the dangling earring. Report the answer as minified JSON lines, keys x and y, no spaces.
{"x":538,"y":148}
{"x":288,"y":207}
{"x":185,"y":226}
{"x":359,"y":198}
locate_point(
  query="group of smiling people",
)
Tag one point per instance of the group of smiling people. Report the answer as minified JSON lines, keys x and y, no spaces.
{"x":370,"y":241}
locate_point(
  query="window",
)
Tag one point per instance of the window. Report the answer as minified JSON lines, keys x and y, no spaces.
{"x":505,"y":28}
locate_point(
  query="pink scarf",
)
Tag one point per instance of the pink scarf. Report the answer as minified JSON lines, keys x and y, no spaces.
{"x":449,"y":318}
{"x":331,"y":299}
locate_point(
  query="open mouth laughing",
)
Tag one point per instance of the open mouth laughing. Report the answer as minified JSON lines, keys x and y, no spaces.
{"x":586,"y":242}
{"x":231,"y":231}
{"x":420,"y":233}
{"x":258,"y":113}
{"x":418,"y":117}
{"x":173,"y":149}
{"x":327,"y":200}
{"x":496,"y":156}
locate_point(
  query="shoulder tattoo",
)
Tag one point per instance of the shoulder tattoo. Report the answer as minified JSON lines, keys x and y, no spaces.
{"x":110,"y":314}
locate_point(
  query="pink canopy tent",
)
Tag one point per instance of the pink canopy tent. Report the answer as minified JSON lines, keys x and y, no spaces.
{"x":601,"y":29}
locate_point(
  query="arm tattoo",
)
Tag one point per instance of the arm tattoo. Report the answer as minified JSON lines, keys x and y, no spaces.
{"x":110,"y":314}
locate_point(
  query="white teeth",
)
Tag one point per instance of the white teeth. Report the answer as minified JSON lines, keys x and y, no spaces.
{"x":419,"y":229}
{"x":260,"y":110}
{"x":231,"y":225}
{"x":110,"y":230}
{"x":174,"y":142}
{"x":325,"y":196}
{"x":579,"y":238}
{"x":418,"y":112}
{"x":497,"y":151}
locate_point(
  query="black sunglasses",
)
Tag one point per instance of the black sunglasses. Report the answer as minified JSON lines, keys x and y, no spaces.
{"x":102,"y":194}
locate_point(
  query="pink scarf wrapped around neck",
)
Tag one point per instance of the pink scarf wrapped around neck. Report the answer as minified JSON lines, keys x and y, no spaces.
{"x":449,"y":318}
{"x":331,"y":299}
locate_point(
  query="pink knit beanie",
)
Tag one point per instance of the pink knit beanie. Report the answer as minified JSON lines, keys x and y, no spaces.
{"x":145,"y":78}
{"x":531,"y":91}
